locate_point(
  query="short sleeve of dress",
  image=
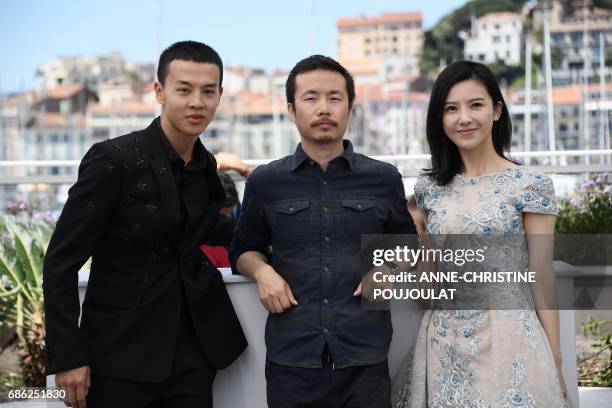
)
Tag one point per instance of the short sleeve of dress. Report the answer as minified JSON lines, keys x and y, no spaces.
{"x":539,"y":194}
{"x":420,"y":191}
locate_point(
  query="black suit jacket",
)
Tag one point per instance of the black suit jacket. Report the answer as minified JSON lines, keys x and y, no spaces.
{"x":123,"y":212}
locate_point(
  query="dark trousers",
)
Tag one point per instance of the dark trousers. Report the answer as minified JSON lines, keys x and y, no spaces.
{"x":189,"y":384}
{"x":351,"y":387}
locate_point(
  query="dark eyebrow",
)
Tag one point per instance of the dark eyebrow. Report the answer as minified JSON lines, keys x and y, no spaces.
{"x":307,"y":92}
{"x":187,"y":83}
{"x":471,"y":100}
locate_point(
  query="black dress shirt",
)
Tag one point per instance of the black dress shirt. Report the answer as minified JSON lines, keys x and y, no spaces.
{"x":193,"y":195}
{"x":313,"y":222}
{"x":189,"y":185}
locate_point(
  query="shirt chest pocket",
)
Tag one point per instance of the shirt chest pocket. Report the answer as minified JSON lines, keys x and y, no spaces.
{"x":359,"y":215}
{"x":292,"y":221}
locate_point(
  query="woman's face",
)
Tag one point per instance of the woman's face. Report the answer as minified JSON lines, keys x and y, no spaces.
{"x":469,"y":113}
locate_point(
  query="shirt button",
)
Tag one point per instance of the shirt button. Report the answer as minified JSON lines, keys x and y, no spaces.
{"x":326,"y":269}
{"x":290,"y":208}
{"x":359,"y":206}
{"x":175,"y":300}
{"x":325,"y":182}
{"x":312,"y":162}
{"x":326,"y":301}
{"x":326,"y":239}
{"x":326,"y":208}
{"x":325,"y":330}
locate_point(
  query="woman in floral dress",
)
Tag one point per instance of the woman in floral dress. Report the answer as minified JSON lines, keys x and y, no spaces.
{"x":484,"y":358}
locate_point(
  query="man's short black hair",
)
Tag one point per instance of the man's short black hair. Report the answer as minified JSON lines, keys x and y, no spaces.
{"x":319,"y":62}
{"x":231,"y":194}
{"x":188,"y":51}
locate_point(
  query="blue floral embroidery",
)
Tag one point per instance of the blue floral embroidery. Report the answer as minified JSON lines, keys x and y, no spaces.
{"x":517,"y":396}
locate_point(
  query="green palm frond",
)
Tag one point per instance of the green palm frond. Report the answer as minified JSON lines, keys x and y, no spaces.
{"x":22,"y":249}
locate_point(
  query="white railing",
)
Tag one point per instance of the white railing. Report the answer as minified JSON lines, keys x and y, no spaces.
{"x":406,"y":162}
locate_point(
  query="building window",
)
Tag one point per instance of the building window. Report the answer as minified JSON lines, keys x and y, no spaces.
{"x":495,"y":39}
{"x":100,"y":133}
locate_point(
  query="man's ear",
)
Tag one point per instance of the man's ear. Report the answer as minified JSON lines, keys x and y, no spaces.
{"x":220,"y":91}
{"x":291,"y":111}
{"x":159,"y":92}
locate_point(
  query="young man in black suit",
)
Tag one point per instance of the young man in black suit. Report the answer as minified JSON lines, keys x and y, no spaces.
{"x":157,"y":321}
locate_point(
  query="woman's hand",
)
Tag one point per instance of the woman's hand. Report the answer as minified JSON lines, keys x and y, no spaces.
{"x":561,"y":379}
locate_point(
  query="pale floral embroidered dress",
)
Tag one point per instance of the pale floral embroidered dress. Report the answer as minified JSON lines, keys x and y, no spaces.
{"x":482,"y":358}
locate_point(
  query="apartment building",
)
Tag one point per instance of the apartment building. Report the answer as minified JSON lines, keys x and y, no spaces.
{"x":363,"y":42}
{"x":495,"y":36}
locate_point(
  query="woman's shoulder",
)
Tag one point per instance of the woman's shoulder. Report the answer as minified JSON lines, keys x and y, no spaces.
{"x":529,"y":177}
{"x":537,"y":188}
{"x":424,"y":183}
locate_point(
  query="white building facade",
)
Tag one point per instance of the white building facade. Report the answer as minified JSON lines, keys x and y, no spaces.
{"x":495,"y":36}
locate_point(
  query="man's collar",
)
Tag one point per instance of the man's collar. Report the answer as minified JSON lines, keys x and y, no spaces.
{"x":348,"y":155}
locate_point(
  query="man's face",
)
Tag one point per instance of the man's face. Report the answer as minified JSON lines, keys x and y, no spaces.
{"x":321,"y":110}
{"x":189,"y":97}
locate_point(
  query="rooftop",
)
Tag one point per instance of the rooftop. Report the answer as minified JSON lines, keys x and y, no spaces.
{"x":385,"y":18}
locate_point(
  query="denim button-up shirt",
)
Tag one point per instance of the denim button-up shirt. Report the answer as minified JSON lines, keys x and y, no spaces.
{"x":313,"y":223}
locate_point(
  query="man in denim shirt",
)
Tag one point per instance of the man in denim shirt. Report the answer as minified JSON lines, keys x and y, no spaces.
{"x":324,"y":348}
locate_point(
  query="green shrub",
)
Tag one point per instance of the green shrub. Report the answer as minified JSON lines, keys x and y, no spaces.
{"x":589,"y":210}
{"x":23,"y":245}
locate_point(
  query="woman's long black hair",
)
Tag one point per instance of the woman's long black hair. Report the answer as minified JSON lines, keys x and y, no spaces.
{"x":445,"y":159}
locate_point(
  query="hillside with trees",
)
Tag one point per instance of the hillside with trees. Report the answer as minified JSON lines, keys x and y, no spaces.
{"x":442,"y":43}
